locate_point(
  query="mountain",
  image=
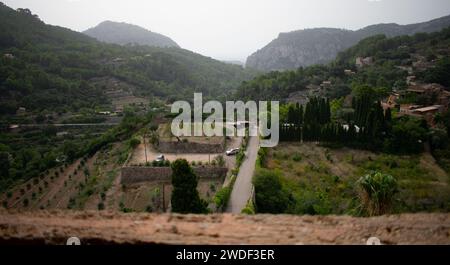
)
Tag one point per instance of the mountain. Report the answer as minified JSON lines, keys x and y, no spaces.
{"x":46,"y":68}
{"x":425,"y":56}
{"x":321,"y":45}
{"x":123,"y":33}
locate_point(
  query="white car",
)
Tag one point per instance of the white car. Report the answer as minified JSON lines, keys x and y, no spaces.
{"x":232,"y":151}
{"x":160,"y":158}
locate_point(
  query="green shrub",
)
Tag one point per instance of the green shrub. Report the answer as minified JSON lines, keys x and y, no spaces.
{"x":297,"y":157}
{"x":240,"y":157}
{"x":222,"y":196}
{"x":313,"y":203}
{"x":377,"y":192}
{"x":270,"y":195}
{"x":134,"y":142}
{"x":261,"y":159}
{"x":249,"y":208}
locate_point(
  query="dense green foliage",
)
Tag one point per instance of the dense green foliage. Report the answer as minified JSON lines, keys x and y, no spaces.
{"x":185,"y":197}
{"x":270,"y":195}
{"x":52,"y":68}
{"x":367,"y":126}
{"x":34,"y":151}
{"x":222,"y":196}
{"x":438,"y":74}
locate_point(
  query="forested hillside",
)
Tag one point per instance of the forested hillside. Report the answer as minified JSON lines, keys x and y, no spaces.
{"x":46,"y":67}
{"x":391,"y":57}
{"x":51,"y":76}
{"x":321,"y":45}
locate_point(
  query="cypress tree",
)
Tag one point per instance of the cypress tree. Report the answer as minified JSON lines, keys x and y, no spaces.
{"x":185,"y":197}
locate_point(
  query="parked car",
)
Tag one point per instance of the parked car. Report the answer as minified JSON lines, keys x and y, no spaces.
{"x":160,"y":158}
{"x":232,"y":151}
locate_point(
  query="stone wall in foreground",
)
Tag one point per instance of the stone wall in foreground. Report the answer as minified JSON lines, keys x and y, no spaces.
{"x":131,"y":175}
{"x":102,"y":227}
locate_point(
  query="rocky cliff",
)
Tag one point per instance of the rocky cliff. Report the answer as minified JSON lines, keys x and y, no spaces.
{"x":321,"y":45}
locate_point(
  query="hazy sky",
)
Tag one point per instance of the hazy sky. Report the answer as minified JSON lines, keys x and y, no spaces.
{"x":231,"y":29}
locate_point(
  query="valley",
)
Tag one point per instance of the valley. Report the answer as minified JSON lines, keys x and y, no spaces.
{"x":86,"y":143}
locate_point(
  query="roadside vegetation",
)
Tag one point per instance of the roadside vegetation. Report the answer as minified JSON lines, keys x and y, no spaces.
{"x":318,"y":180}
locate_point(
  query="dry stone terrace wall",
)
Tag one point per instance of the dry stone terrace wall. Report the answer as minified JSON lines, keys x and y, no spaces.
{"x":190,"y":147}
{"x":131,"y":175}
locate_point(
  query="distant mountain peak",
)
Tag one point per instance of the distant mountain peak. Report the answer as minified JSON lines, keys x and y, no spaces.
{"x":123,"y":33}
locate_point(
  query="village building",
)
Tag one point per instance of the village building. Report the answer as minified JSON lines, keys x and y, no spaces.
{"x":408,"y":108}
{"x":14,"y":127}
{"x":348,"y":72}
{"x":8,"y":56}
{"x":63,"y":133}
{"x":391,"y":102}
{"x":426,"y":88}
{"x":21,"y":111}
{"x":361,"y":62}
{"x":428,"y":113}
{"x":410,"y":80}
{"x":325,"y":84}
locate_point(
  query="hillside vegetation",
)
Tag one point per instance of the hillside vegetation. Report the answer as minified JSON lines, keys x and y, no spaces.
{"x":390,"y":55}
{"x":46,"y":67}
{"x":321,"y":45}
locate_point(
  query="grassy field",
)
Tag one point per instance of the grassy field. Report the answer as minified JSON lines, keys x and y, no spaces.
{"x":323,"y":180}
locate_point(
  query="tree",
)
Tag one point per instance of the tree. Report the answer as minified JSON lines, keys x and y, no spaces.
{"x":270,"y":196}
{"x":408,"y":136}
{"x":444,"y":119}
{"x":4,"y":165}
{"x":185,"y":197}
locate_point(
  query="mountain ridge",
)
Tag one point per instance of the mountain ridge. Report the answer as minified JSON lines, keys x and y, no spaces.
{"x":305,"y":47}
{"x":123,"y":33}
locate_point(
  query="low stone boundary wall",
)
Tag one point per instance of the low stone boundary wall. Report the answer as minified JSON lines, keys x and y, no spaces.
{"x":132,"y":175}
{"x":190,"y":147}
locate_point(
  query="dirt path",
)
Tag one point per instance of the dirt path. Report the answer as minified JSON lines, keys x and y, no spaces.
{"x":106,"y":227}
{"x":243,"y":186}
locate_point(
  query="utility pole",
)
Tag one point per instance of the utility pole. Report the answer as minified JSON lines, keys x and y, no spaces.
{"x":145,"y":149}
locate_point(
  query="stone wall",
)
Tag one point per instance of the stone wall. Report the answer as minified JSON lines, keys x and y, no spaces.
{"x":105,"y":227}
{"x":132,"y":175}
{"x":190,"y":147}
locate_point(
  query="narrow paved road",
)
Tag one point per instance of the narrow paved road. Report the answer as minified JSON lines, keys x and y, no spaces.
{"x":243,"y":186}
